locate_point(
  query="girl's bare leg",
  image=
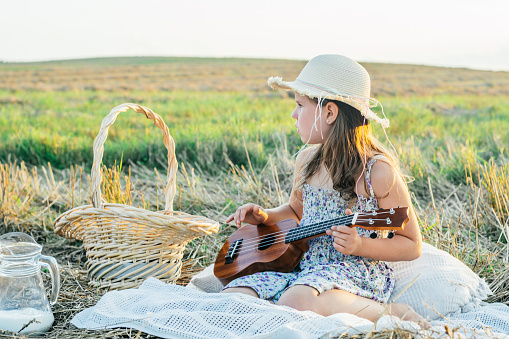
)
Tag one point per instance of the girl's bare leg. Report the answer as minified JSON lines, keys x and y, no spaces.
{"x":306,"y":298}
{"x":405,"y":312}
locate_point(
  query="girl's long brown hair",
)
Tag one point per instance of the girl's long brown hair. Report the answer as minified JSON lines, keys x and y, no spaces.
{"x":346,"y":150}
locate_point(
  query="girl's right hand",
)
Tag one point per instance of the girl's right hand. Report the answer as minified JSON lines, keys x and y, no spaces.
{"x":249,"y":213}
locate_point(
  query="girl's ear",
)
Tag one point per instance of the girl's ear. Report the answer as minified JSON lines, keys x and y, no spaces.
{"x":331,"y":110}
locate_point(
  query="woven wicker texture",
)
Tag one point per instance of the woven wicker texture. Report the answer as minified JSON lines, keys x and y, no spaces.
{"x":125,"y":244}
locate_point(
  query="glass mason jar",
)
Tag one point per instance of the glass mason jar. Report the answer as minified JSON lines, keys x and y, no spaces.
{"x":24,"y":307}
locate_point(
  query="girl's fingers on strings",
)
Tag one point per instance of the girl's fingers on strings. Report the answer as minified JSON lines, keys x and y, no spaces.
{"x":244,"y":210}
{"x":237,"y":217}
{"x":341,"y":229}
{"x":242,"y":214}
{"x":332,"y":231}
{"x":340,"y":240}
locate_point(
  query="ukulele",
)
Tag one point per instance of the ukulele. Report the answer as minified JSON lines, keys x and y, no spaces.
{"x":259,"y":248}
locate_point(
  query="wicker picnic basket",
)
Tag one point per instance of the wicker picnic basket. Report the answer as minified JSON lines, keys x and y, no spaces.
{"x":124,"y":244}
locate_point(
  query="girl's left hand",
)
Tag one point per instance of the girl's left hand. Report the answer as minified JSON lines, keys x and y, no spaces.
{"x":346,"y":239}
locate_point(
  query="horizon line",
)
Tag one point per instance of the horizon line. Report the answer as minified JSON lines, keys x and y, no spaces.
{"x":236,"y":57}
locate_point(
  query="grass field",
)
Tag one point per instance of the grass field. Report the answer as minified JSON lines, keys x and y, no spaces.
{"x":51,"y":112}
{"x":234,"y":141}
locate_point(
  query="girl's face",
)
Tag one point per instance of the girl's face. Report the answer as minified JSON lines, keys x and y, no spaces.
{"x":304,"y":113}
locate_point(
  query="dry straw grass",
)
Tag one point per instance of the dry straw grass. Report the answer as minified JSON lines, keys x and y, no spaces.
{"x":201,"y":74}
{"x":469,"y":221}
{"x":25,"y":198}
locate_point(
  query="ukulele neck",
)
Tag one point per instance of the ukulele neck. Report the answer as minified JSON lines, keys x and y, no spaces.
{"x":311,"y":230}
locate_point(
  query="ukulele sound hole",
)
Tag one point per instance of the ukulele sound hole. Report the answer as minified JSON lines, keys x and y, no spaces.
{"x":266,"y":242}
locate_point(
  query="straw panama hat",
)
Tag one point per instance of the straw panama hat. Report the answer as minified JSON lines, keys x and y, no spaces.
{"x":334,"y":77}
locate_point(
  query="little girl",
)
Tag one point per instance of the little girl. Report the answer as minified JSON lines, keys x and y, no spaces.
{"x":346,"y":171}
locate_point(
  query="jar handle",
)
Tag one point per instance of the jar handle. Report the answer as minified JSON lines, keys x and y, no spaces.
{"x":51,"y":264}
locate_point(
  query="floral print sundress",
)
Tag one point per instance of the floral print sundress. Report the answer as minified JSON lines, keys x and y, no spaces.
{"x":322,"y":266}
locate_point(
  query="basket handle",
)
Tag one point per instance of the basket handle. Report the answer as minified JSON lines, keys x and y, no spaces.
{"x":99,"y":150}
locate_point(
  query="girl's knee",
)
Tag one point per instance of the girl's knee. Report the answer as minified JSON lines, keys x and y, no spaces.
{"x":301,"y":298}
{"x":301,"y":304}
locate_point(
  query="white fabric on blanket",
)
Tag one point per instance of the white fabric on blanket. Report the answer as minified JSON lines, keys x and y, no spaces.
{"x":172,"y":311}
{"x":437,"y":284}
{"x":434,"y":285}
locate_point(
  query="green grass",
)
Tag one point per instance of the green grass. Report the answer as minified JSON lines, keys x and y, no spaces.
{"x":60,"y":127}
{"x":436,"y":135}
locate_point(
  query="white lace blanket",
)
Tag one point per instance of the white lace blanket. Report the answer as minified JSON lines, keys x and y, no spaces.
{"x":172,"y":311}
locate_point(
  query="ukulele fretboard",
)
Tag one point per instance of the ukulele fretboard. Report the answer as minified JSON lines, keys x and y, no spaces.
{"x":307,"y":231}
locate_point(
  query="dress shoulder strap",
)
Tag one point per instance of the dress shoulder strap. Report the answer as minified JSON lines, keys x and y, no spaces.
{"x":368,"y":172}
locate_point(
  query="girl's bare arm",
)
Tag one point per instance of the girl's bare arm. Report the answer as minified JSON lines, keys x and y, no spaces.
{"x":407,"y":243}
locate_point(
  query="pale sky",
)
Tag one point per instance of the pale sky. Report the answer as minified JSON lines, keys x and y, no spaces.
{"x":473,"y":34}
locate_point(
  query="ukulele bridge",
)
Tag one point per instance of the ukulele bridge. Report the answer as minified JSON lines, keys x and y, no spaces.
{"x":233,"y":251}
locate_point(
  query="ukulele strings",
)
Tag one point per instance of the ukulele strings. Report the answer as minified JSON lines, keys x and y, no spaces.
{"x":249,"y":245}
{"x":253,"y":243}
{"x":313,"y":227}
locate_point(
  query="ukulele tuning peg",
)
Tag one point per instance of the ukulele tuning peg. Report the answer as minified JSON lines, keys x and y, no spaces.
{"x":391,"y":211}
{"x":390,"y":235}
{"x":389,"y":221}
{"x":399,"y":206}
